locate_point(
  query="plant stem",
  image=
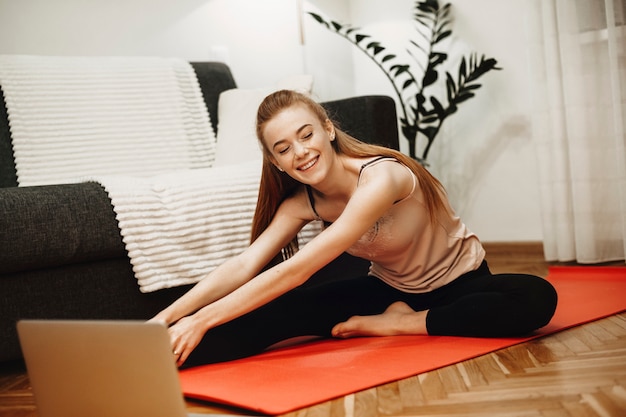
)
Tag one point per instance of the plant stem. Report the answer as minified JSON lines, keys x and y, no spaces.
{"x":431,"y":141}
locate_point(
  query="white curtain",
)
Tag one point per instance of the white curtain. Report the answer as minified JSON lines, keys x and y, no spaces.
{"x":577,"y":61}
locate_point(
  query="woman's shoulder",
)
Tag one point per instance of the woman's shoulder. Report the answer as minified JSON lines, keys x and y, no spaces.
{"x":389,"y":172}
{"x":388,"y":167}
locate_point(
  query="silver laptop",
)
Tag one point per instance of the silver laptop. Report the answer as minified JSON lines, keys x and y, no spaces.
{"x":101,"y":369}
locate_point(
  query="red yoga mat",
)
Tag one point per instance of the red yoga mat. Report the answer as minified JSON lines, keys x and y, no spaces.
{"x":287,"y":379}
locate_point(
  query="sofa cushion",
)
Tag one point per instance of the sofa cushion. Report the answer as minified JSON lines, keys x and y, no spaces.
{"x":56,"y":225}
{"x":8,"y":174}
{"x":214,"y":77}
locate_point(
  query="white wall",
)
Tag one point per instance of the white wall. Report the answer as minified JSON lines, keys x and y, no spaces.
{"x":327,"y":57}
{"x":484,"y":156}
{"x":259,"y":38}
{"x":494,"y":177}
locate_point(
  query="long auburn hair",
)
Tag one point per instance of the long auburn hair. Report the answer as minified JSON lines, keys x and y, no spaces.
{"x":276,"y":185}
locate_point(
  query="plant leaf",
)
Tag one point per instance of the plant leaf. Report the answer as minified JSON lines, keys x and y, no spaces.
{"x":442,"y":36}
{"x":320,"y":19}
{"x":472,"y":86}
{"x":464,"y":96}
{"x":429,"y":132}
{"x":462,"y":70}
{"x":444,"y":12}
{"x":482,"y":67}
{"x":433,"y":5}
{"x":416,"y":111}
{"x":437,"y":107}
{"x":388,"y":57}
{"x":437,"y":58}
{"x":400,"y":69}
{"x":426,"y":20}
{"x":418,"y":46}
{"x":409,"y":131}
{"x":430,"y":77}
{"x":420,"y":99}
{"x":450,"y":87}
{"x":360,"y":37}
{"x":430,"y":119}
{"x":317,"y":17}
{"x":491,"y":64}
{"x":426,"y":7}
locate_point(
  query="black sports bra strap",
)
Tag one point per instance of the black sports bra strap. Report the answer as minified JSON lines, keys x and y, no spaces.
{"x":309,"y":193}
{"x":372,"y":161}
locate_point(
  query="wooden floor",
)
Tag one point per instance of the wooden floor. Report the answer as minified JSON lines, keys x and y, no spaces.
{"x":577,"y":372}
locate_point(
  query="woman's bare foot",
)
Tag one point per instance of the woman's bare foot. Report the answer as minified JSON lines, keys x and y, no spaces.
{"x":397,"y":319}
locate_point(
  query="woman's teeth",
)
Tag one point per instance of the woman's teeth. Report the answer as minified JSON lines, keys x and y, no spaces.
{"x":308,"y":165}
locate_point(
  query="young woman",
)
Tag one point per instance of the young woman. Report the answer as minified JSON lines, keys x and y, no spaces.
{"x":427,"y":275}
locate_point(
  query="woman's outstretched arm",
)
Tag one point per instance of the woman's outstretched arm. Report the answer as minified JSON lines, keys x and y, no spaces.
{"x":230,"y":275}
{"x":187,"y":323}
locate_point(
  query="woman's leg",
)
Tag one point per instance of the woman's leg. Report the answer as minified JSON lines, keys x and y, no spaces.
{"x":477,"y":304}
{"x":301,"y":312}
{"x":486,"y":305}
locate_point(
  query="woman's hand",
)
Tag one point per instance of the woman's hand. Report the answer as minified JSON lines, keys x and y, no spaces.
{"x":185,"y":335}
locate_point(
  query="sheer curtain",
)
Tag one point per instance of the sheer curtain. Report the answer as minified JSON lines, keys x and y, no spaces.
{"x":577,"y":58}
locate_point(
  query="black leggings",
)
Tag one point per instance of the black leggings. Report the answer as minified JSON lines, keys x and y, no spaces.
{"x":477,"y":304}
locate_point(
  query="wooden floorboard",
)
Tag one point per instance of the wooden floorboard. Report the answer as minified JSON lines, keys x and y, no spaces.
{"x":577,"y":372}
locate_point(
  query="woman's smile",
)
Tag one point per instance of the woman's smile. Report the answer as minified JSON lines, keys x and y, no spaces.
{"x":308,"y":165}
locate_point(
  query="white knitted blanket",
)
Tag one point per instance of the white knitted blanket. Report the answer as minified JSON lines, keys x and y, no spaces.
{"x":72,"y":117}
{"x":178,"y":227}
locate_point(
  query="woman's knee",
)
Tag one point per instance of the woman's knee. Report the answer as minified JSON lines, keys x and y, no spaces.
{"x":530,"y":302}
{"x":543,"y":300}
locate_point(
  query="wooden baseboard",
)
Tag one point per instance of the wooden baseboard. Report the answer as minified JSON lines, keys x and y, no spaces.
{"x":514,"y":248}
{"x":516,"y":257}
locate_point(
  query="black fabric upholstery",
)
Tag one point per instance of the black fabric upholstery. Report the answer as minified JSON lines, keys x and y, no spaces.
{"x":103,"y":289}
{"x":213,"y":79}
{"x":367,"y":119}
{"x":8,"y":177}
{"x":61,"y":252}
{"x":57,"y":225}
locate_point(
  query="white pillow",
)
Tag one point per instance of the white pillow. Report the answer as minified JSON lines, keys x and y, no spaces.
{"x":236,"y":109}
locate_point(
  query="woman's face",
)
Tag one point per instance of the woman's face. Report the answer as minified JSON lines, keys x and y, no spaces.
{"x":300,"y":144}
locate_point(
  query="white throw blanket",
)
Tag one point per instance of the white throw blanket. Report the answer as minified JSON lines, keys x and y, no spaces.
{"x":178,"y":227}
{"x":72,"y":117}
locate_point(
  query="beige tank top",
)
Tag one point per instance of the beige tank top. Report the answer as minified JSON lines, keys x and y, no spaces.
{"x":408,"y":251}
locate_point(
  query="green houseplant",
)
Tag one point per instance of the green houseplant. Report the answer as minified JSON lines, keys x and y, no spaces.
{"x":422,"y":113}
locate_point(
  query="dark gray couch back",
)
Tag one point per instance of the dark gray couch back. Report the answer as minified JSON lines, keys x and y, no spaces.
{"x":214,"y":77}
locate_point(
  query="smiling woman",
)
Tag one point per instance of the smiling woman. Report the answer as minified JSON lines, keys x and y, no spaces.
{"x":427,"y":274}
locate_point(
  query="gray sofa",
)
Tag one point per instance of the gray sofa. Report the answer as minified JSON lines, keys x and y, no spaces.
{"x":61,"y":253}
